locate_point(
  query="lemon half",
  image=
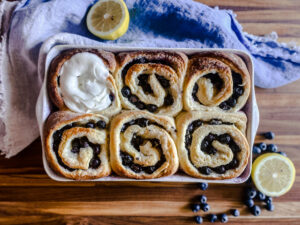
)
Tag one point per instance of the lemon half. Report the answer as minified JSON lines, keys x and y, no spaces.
{"x":273,"y":174}
{"x":108,"y":19}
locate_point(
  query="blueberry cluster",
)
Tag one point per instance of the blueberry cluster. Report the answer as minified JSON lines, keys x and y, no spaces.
{"x":262,"y":147}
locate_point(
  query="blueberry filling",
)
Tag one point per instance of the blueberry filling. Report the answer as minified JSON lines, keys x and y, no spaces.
{"x":143,"y":82}
{"x":127,"y":160}
{"x":206,"y":145}
{"x":194,"y":93}
{"x":111,"y":97}
{"x":58,"y":80}
{"x":238,"y":90}
{"x":77,"y":143}
{"x":142,"y":122}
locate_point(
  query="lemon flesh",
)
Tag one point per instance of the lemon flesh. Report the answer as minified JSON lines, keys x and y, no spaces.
{"x":108,"y":19}
{"x":273,"y":174}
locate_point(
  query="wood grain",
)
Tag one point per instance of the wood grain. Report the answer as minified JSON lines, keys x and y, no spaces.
{"x":28,"y":196}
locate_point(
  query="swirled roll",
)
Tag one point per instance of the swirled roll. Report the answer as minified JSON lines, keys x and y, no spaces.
{"x":151,"y":80}
{"x":212,"y":145}
{"x":141,"y":145}
{"x":81,"y":80}
{"x":216,"y":81}
{"x":76,"y":145}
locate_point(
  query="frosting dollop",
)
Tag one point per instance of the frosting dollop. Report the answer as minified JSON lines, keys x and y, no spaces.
{"x":83,"y":83}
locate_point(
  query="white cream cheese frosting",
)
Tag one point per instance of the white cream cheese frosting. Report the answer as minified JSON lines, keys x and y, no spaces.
{"x":83,"y":83}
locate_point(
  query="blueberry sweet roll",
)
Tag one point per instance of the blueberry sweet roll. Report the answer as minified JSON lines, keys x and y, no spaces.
{"x":142,"y":145}
{"x":212,"y":145}
{"x":81,"y":80}
{"x":151,"y":81}
{"x":76,"y":145}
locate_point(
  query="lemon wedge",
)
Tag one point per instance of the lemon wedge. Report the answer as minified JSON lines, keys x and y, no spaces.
{"x":273,"y":174}
{"x":108,"y":19}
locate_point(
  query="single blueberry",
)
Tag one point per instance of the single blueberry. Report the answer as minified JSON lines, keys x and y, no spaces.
{"x":205,"y":207}
{"x":268,"y":200}
{"x":202,"y":199}
{"x":96,"y":149}
{"x":260,"y":196}
{"x":196,"y":207}
{"x":225,"y":138}
{"x":94,"y":163}
{"x":198,"y":219}
{"x":125,"y":91}
{"x":203,"y":186}
{"x":256,"y":150}
{"x":255,"y":210}
{"x":151,"y":108}
{"x":249,"y":203}
{"x":282,"y":153}
{"x":251,"y":193}
{"x":269,"y":135}
{"x":272,"y":148}
{"x":212,"y":218}
{"x":223,"y":218}
{"x":270,"y":207}
{"x":90,"y":125}
{"x":235,"y":212}
{"x":101,"y":124}
{"x":262,"y":146}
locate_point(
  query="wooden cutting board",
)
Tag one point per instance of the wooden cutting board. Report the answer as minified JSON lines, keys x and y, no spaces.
{"x":28,"y":196}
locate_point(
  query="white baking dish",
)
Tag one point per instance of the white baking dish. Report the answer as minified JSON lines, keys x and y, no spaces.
{"x":43,"y":110}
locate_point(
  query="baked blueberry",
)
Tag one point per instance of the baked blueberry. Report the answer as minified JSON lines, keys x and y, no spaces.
{"x":255,"y":210}
{"x":140,"y":105}
{"x":220,"y":169}
{"x":235,"y":212}
{"x":225,"y":138}
{"x":95,"y":163}
{"x":251,"y":193}
{"x":196,"y":207}
{"x":282,"y":153}
{"x":205,"y":207}
{"x":111,"y":97}
{"x":90,"y":125}
{"x":260,"y":196}
{"x":249,"y":203}
{"x":231,"y":102}
{"x":262,"y":146}
{"x":125,"y":91}
{"x":136,"y":168}
{"x":151,"y":108}
{"x":202,"y":199}
{"x":126,"y":159}
{"x":224,"y":106}
{"x":272,"y":148}
{"x":223,"y":218}
{"x":168,"y":100}
{"x":268,"y":200}
{"x":256,"y":150}
{"x":239,"y":91}
{"x":270,"y":207}
{"x":198,"y":219}
{"x":133,"y":99}
{"x":203,"y":186}
{"x":101,"y":124}
{"x":96,"y":149}
{"x":205,"y":170}
{"x":212,"y":218}
{"x":75,"y":149}
{"x":142,"y":122}
{"x":269,"y":135}
{"x":215,"y":122}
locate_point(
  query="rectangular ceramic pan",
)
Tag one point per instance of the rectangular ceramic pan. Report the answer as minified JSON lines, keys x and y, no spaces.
{"x":43,"y":110}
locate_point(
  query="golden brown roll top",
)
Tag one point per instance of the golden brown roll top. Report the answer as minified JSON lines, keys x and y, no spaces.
{"x":212,"y":145}
{"x":77,"y":145}
{"x":216,"y":81}
{"x":151,"y":81}
{"x":142,"y":145}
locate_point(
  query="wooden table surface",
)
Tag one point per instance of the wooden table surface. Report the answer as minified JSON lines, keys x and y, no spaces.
{"x":28,"y":196}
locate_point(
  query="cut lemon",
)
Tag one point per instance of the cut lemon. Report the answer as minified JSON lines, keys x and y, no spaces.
{"x":108,"y":19}
{"x":273,"y":174}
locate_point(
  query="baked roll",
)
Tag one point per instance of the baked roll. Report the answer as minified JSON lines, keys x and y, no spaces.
{"x":212,"y":145}
{"x":81,"y":80}
{"x":216,"y":81}
{"x":77,"y":145}
{"x":141,"y":145}
{"x":151,"y":80}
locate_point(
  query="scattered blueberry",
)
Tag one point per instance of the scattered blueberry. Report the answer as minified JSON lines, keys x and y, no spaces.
{"x":202,"y":199}
{"x":268,"y":200}
{"x":235,"y":212}
{"x":212,"y":218}
{"x":270,"y":207}
{"x":223,"y":218}
{"x":205,"y":207}
{"x":256,"y":150}
{"x":262,"y":146}
{"x":269,"y":135}
{"x":198,"y":219}
{"x":260,"y":196}
{"x":255,"y":210}
{"x":272,"y":148}
{"x":203,"y":186}
{"x":249,"y":203}
{"x":196,"y":207}
{"x":282,"y":153}
{"x":251,"y":193}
